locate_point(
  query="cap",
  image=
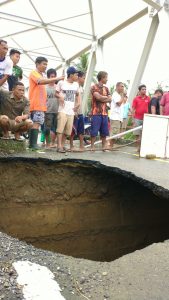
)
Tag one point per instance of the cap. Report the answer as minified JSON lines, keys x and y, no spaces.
{"x":71,"y":70}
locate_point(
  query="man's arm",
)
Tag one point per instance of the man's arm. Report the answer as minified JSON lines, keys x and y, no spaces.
{"x":153,"y":110}
{"x":77,"y":102}
{"x":101,"y":98}
{"x":119,"y":103}
{"x":3,"y":79}
{"x":50,"y":80}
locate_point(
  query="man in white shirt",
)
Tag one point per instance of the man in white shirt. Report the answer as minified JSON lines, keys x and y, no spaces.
{"x":116,"y":110}
{"x":68,"y":95}
{"x":6,"y":65}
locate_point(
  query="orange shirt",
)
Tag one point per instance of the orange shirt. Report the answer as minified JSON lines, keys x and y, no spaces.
{"x":37,"y":92}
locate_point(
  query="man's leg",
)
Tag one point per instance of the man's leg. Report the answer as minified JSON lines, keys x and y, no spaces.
{"x":38,"y":119}
{"x":61,"y":122}
{"x":115,"y":129}
{"x":104,"y":131}
{"x":68,"y":128}
{"x":138,"y":133}
{"x":95,"y":128}
{"x":22,"y":127}
{"x":80,"y":131}
{"x":5,"y":125}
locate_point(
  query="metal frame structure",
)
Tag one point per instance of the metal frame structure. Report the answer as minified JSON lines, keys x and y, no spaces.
{"x":96,"y":43}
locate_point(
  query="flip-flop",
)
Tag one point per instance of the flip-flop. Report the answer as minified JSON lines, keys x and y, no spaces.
{"x":60,"y":150}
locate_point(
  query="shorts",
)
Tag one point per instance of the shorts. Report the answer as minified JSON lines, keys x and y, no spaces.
{"x":78,"y":125}
{"x":137,"y":123}
{"x":50,"y":123}
{"x":64,"y":123}
{"x":115,"y":126}
{"x":15,"y":126}
{"x":124,"y":124}
{"x":99,"y":123}
{"x":38,"y":116}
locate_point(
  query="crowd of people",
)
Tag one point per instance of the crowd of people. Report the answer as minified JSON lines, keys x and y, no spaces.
{"x":54,"y":104}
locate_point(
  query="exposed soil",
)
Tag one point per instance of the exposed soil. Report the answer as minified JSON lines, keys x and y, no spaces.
{"x":80,"y":209}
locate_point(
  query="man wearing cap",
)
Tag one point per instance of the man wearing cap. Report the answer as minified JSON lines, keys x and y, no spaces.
{"x":69,"y":101}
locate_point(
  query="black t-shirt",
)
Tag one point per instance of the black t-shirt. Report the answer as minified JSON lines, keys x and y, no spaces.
{"x":155,"y":101}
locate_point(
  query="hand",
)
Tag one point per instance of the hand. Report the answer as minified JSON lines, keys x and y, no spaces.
{"x":75,"y":108}
{"x":61,"y":100}
{"x":18,"y":119}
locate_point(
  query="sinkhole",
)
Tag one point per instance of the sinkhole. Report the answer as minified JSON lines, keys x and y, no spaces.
{"x":80,"y":208}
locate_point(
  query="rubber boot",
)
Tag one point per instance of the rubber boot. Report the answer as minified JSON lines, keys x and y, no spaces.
{"x":33,"y":138}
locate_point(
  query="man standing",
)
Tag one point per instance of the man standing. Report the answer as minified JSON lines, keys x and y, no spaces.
{"x":140,"y":107}
{"x":154,"y":105}
{"x":37,"y":96}
{"x":17,"y":72}
{"x":164,"y":105}
{"x":5,"y":65}
{"x":78,"y":125}
{"x":100,"y":97}
{"x":50,"y":123}
{"x":14,"y":110}
{"x":68,"y":94}
{"x":116,"y":110}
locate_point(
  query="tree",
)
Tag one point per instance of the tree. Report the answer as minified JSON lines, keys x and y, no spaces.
{"x":83,"y":64}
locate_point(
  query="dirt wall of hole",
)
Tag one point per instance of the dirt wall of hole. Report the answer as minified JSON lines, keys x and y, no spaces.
{"x":79,"y":209}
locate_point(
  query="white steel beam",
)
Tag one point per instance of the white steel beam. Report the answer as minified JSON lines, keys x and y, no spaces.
{"x":144,"y":57}
{"x":100,"y":55}
{"x":115,"y":30}
{"x":46,"y":30}
{"x":155,"y":5}
{"x":92,"y":19}
{"x":126,"y":23}
{"x":50,"y":26}
{"x":28,"y":55}
{"x":6,"y":2}
{"x":89,"y":75}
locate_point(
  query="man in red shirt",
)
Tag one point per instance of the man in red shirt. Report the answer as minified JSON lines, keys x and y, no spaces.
{"x":164,"y":105}
{"x":140,"y":107}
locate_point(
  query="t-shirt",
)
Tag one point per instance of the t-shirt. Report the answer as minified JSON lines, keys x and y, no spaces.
{"x":141,"y":106}
{"x":155,"y":101}
{"x":165,"y":102}
{"x":52,"y":101}
{"x":6,"y":66}
{"x":17,"y":74}
{"x":11,"y":107}
{"x":126,"y":108}
{"x":70,"y":91}
{"x":37,"y":92}
{"x":116,"y":111}
{"x":99,"y":108}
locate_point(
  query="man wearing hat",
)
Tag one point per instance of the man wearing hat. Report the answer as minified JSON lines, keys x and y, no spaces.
{"x":69,"y":101}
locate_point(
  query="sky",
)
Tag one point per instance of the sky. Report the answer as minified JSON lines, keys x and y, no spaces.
{"x":121,"y":51}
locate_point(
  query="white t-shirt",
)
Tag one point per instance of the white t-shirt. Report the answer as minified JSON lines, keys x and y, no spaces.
{"x":69,"y":90}
{"x":116,"y":111}
{"x":6,"y":67}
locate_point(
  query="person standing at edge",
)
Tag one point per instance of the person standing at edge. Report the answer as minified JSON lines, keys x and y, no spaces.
{"x":69,"y":101}
{"x":99,"y":121}
{"x":38,"y":96}
{"x":6,"y":65}
{"x":116,"y":110}
{"x":17,"y":72}
{"x":79,"y":119}
{"x":140,"y":107}
{"x":164,"y":105}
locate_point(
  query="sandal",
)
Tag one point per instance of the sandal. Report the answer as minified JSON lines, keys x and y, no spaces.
{"x":61,"y":150}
